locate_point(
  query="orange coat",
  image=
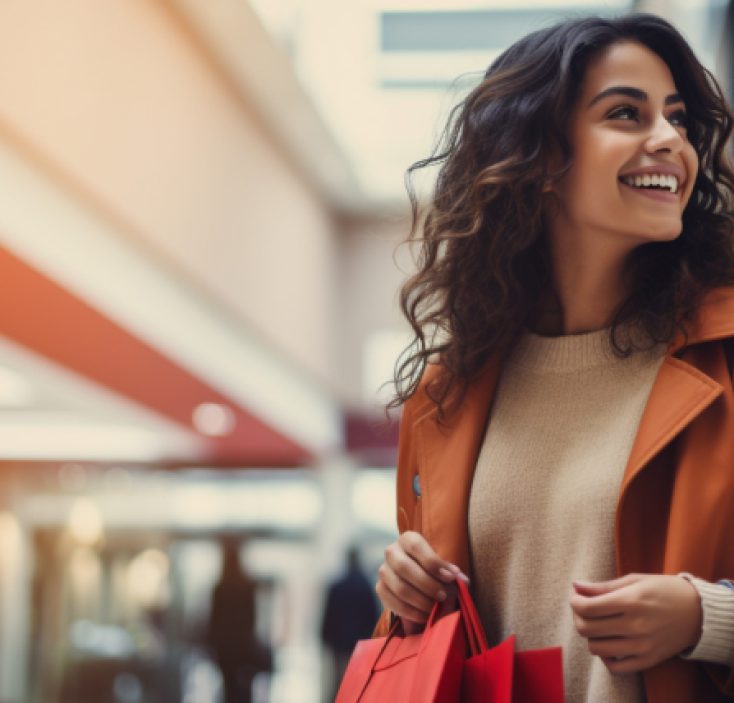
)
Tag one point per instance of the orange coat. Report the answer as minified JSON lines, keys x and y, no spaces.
{"x":675,"y":510}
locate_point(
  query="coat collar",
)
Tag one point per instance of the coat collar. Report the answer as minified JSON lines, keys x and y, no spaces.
{"x":681,"y":391}
{"x":447,"y":454}
{"x":714,"y":320}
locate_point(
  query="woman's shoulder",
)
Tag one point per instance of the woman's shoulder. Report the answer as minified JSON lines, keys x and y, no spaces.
{"x":421,"y":398}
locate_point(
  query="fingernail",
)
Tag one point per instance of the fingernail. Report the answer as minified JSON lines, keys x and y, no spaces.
{"x":455,"y":568}
{"x":463,"y":577}
{"x":582,"y":584}
{"x":445,"y":573}
{"x":441,"y":595}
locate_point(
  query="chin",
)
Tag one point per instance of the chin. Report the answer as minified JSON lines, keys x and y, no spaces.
{"x":664,"y":235}
{"x":661,"y":231}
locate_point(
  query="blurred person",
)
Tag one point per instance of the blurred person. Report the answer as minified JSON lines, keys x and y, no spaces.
{"x":231,"y":633}
{"x":349,"y":615}
{"x":567,"y":437}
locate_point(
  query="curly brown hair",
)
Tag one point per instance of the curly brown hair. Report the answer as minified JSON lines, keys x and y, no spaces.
{"x":483,"y":260}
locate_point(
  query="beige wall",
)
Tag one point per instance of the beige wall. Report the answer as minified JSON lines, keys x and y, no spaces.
{"x":121,"y":97}
{"x":373,"y":268}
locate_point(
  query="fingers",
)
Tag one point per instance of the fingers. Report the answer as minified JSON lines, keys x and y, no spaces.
{"x":399,"y":606}
{"x":611,"y":626}
{"x":621,"y":654}
{"x":600,"y":616}
{"x":416,"y":546}
{"x":614,"y":648}
{"x":635,"y":622}
{"x":408,"y":570}
{"x":605,"y":605}
{"x":412,"y":586}
{"x":606,"y":598}
{"x":589,"y":588}
{"x":413,"y":577}
{"x":627,"y":665}
{"x":604,"y":615}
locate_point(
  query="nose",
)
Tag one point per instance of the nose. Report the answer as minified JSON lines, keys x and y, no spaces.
{"x":664,"y":137}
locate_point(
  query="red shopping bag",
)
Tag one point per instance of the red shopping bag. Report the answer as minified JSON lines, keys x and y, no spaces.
{"x":502,"y":675}
{"x":450,"y":662}
{"x":424,"y":667}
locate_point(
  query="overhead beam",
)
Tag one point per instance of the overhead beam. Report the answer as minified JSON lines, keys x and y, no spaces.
{"x":83,"y":295}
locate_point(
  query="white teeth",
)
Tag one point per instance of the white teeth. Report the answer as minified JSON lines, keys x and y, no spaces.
{"x":647,"y":180}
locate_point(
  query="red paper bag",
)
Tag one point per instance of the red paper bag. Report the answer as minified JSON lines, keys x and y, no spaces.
{"x":502,"y":675}
{"x":450,"y":662}
{"x":409,"y":669}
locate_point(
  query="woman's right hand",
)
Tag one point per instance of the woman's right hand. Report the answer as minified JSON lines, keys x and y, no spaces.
{"x":413,"y":577}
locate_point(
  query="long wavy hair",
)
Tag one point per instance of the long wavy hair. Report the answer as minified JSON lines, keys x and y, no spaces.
{"x":483,"y":258}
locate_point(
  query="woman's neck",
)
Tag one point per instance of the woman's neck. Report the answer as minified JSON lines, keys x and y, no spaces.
{"x":554,"y":321}
{"x":585,"y":298}
{"x":590,"y":279}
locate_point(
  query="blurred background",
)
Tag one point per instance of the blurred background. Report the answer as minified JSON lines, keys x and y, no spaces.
{"x":201,"y":203}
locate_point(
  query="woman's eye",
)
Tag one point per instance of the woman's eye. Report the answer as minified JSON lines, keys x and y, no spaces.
{"x":679,"y":118}
{"x":625,"y":112}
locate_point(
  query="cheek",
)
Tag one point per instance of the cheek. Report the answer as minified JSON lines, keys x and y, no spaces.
{"x":590,"y":185}
{"x":691,"y":161}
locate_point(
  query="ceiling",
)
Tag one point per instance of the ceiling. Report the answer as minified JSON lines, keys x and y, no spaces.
{"x":384,"y":74}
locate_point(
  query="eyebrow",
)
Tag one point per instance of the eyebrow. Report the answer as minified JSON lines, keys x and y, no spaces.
{"x":634,"y":93}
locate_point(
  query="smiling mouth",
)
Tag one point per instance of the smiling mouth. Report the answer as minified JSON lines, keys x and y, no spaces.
{"x":652,"y":182}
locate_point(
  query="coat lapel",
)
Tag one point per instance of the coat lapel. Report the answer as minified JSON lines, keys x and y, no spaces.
{"x":680,"y":393}
{"x":447,"y":456}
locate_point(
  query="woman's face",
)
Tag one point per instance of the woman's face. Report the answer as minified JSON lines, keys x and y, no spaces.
{"x":633,"y":168}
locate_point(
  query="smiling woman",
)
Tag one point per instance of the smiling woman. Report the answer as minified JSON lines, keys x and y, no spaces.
{"x":568,"y":423}
{"x":505,"y":151}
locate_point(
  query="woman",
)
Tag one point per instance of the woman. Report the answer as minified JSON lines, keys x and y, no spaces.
{"x":567,"y":440}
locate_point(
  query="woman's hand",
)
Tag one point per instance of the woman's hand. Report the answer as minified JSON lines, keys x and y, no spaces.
{"x":637,"y":621}
{"x":413,"y":577}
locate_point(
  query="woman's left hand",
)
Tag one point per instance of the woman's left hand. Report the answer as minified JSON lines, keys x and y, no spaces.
{"x":637,"y":621}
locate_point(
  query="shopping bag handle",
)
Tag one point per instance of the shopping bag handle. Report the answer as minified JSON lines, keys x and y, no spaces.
{"x":475,"y":635}
{"x":472,"y":624}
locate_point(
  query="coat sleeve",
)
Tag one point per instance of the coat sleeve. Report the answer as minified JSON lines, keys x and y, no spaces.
{"x":408,"y":503}
{"x":724,"y":675}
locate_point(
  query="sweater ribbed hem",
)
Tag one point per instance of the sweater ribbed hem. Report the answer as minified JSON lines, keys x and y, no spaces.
{"x":717,"y":636}
{"x":570,"y":352}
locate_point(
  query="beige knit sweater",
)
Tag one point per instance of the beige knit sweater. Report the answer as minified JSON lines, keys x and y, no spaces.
{"x":542,"y":504}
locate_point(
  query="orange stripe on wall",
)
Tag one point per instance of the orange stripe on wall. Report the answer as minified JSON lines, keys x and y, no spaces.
{"x":41,"y":315}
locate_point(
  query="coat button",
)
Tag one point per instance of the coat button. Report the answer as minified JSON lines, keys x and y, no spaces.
{"x":417,"y":485}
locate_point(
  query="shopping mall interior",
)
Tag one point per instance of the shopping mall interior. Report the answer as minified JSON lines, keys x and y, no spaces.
{"x":201,"y":243}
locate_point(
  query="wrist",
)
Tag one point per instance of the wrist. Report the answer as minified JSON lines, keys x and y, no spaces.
{"x":716,"y":643}
{"x":695,"y":614}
